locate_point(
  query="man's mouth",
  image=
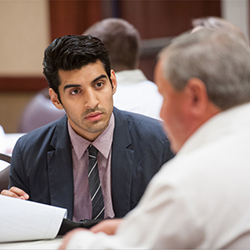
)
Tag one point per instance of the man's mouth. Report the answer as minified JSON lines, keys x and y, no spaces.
{"x":95,"y":116}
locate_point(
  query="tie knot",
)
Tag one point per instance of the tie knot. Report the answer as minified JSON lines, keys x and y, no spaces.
{"x":92,"y":151}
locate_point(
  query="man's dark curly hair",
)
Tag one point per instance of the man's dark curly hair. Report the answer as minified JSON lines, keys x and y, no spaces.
{"x":73,"y":52}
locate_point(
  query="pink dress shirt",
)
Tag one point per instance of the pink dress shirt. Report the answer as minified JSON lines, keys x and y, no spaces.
{"x":82,"y":202}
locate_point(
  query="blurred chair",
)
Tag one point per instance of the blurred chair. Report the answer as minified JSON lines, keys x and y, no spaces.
{"x":4,"y":174}
{"x":4,"y":157}
{"x":39,"y":111}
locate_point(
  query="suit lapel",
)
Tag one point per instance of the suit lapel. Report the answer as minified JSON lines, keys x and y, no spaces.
{"x":61,"y":174}
{"x":121,"y":165}
{"x":60,"y":169}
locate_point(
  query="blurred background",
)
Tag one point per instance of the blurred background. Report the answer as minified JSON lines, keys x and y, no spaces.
{"x":27,"y":27}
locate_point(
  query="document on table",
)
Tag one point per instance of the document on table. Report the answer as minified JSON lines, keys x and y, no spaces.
{"x":26,"y":220}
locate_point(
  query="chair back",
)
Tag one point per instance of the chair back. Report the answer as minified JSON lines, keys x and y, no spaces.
{"x":38,"y":112}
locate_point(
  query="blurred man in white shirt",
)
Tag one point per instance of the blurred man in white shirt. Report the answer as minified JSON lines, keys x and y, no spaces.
{"x":198,"y":200}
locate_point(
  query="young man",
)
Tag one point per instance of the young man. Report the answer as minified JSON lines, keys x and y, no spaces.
{"x":198,"y":200}
{"x":51,"y":164}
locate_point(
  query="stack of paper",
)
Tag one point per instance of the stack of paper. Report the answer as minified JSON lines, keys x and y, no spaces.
{"x":26,"y":220}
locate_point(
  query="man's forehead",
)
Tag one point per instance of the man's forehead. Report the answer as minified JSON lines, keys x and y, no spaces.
{"x":159,"y":69}
{"x":92,"y":72}
{"x":159,"y":75}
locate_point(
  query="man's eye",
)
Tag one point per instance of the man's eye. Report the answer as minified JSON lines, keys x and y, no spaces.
{"x":74,"y":92}
{"x":99,"y":84}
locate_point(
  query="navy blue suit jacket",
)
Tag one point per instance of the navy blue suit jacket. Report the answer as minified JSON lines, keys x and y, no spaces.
{"x":42,"y":163}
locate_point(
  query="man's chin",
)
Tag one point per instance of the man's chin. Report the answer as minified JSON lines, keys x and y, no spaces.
{"x":97,"y":127}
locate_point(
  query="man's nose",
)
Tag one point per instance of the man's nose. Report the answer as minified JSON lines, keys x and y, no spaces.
{"x":91,"y":100}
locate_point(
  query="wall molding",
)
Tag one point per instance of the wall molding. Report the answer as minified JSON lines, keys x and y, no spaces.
{"x":22,"y":84}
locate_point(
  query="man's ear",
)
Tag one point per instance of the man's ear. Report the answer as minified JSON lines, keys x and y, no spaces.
{"x":198,"y":98}
{"x":114,"y":80}
{"x":54,"y":99}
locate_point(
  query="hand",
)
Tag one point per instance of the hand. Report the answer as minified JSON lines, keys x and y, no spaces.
{"x":68,"y":237}
{"x":107,"y":226}
{"x":15,"y":193}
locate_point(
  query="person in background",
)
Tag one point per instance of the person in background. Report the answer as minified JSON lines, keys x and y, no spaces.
{"x":134,"y":92}
{"x":212,"y":22}
{"x":198,"y":200}
{"x":96,"y":161}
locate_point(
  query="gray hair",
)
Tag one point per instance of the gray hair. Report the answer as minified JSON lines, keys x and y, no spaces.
{"x":219,"y":58}
{"x":212,"y":22}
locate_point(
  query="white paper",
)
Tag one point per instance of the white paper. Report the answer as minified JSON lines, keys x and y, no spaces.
{"x":7,"y":143}
{"x":2,"y":140}
{"x":26,"y":220}
{"x":40,"y":244}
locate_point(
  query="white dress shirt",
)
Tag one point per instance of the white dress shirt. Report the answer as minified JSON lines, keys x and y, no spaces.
{"x":137,"y":94}
{"x":198,"y":200}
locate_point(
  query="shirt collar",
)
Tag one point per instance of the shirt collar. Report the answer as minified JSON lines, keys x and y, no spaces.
{"x":103,"y":142}
{"x":130,"y":76}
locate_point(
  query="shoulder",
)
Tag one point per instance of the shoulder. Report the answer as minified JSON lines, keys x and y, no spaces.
{"x":135,"y":118}
{"x":141,"y":125}
{"x":42,"y":135}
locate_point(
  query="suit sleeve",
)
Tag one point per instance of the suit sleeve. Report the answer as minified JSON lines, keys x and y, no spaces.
{"x":18,"y":176}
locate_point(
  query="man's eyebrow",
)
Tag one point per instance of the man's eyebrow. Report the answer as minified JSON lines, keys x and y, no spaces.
{"x":71,"y":86}
{"x":99,"y":77}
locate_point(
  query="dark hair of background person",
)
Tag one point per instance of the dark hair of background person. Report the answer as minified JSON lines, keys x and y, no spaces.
{"x":73,"y":52}
{"x":122,"y":40}
{"x":216,"y":23}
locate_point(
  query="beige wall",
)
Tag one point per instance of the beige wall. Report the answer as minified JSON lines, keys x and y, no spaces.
{"x":237,"y":12}
{"x":24,"y":29}
{"x":24,"y":35}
